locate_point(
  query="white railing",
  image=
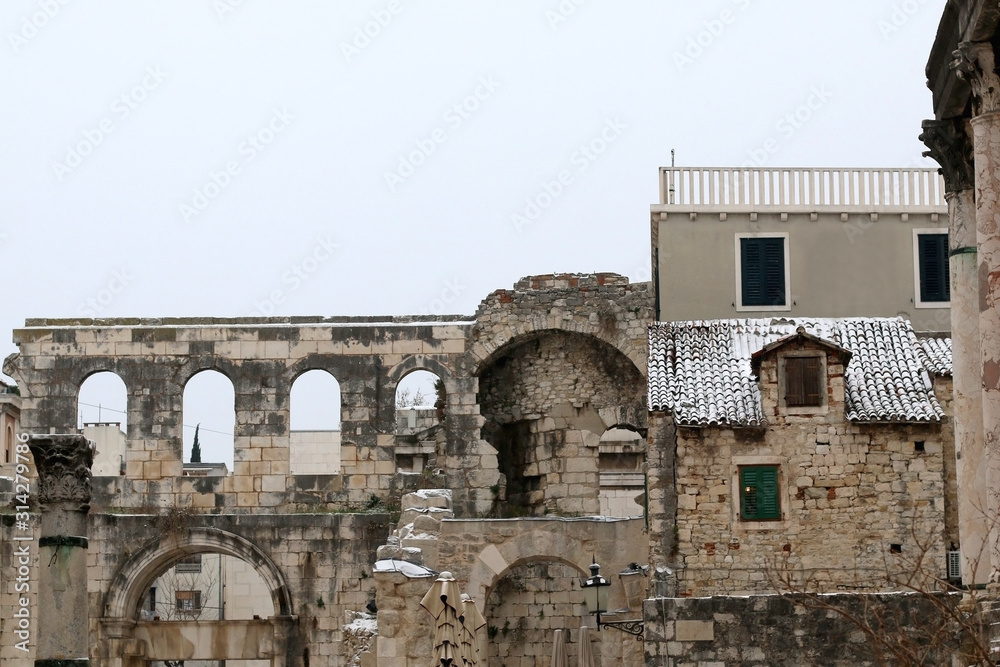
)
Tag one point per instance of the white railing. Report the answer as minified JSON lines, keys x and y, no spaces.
{"x":720,"y":188}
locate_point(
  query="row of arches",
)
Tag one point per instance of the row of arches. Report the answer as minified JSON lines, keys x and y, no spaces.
{"x":209,"y":416}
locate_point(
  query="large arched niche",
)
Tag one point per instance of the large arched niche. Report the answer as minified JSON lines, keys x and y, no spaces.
{"x":130,"y":584}
{"x":546,"y":399}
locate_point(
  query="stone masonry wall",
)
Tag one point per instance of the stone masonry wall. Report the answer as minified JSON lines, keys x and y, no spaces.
{"x":547,"y":402}
{"x":306,"y":523}
{"x":561,"y":359}
{"x":800,"y":631}
{"x":847,"y":493}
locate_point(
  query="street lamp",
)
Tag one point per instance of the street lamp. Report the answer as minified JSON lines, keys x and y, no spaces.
{"x":595,"y":596}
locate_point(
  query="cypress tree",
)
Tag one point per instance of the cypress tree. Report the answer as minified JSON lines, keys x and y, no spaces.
{"x":196,"y":447}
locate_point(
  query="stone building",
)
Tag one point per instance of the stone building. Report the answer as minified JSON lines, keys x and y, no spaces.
{"x":812,"y":453}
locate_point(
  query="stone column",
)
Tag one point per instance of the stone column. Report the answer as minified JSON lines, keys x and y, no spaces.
{"x":950,"y":145}
{"x":975,"y":62}
{"x":63,"y":463}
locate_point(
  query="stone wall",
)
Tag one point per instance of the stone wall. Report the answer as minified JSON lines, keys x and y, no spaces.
{"x":859,"y":503}
{"x":801,"y":630}
{"x":306,"y":533}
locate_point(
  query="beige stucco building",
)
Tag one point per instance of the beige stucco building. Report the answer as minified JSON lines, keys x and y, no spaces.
{"x":738,"y":242}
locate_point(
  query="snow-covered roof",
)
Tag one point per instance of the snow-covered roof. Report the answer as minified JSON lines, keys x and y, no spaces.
{"x":701,"y":370}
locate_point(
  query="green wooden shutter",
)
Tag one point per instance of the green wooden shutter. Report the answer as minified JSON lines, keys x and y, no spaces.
{"x":767,"y":478}
{"x":935,"y":275}
{"x":759,"y":493}
{"x":762,"y":271}
{"x":774,"y":271}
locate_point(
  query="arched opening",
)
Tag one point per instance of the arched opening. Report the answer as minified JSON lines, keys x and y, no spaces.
{"x":209,"y":419}
{"x":314,"y":438}
{"x":622,"y":452}
{"x":547,"y":399}
{"x":420,"y":400}
{"x":102,"y":409}
{"x":207,"y":586}
{"x":526,"y":605}
{"x":216,"y":597}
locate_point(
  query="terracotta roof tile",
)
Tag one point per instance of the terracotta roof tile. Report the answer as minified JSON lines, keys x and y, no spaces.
{"x":701,"y":370}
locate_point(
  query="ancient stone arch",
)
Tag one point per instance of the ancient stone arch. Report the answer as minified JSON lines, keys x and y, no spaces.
{"x":134,"y":577}
{"x":128,"y":641}
{"x":535,"y":545}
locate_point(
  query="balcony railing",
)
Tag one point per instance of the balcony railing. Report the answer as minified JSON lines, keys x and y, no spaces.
{"x":715,"y":189}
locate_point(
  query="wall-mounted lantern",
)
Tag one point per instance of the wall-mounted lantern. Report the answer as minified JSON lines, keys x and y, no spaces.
{"x":595,"y":596}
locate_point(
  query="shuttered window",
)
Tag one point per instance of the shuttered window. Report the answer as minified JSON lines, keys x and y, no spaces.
{"x":932,"y":249}
{"x":762,"y":267}
{"x":759,"y":493}
{"x":803,"y":382}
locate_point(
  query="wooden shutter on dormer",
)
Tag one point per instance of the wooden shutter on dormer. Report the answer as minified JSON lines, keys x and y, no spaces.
{"x":804,"y":385}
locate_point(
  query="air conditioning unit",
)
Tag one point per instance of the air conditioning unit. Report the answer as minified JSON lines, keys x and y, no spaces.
{"x":955,"y":565}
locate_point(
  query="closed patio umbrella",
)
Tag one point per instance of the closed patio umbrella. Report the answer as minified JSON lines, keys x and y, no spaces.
{"x":559,"y":650}
{"x":443,"y":601}
{"x":472,"y":621}
{"x":585,"y":658}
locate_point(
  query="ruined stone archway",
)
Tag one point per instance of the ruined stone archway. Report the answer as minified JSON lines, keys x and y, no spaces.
{"x":494,"y":562}
{"x":130,"y":583}
{"x":132,"y":641}
{"x":546,"y":400}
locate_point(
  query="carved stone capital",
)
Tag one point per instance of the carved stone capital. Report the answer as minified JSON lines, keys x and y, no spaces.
{"x":975,"y":63}
{"x":951,"y":147}
{"x":63,"y":462}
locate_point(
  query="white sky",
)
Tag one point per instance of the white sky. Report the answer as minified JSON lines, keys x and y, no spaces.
{"x":307,"y":223}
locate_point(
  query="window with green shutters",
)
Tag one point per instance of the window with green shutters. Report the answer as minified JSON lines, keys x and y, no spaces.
{"x":932,"y":251}
{"x":762,"y":271}
{"x":759,"y":493}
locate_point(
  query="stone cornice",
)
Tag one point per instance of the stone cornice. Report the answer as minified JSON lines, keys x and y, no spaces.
{"x":63,"y":463}
{"x":951,"y":147}
{"x":975,"y":63}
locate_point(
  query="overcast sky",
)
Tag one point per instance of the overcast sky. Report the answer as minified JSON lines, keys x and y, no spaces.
{"x":232,"y":158}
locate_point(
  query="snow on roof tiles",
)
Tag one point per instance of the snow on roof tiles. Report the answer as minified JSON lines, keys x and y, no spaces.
{"x":701,"y":370}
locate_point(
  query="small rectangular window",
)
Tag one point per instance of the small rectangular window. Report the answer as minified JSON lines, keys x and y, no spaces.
{"x":188,"y":602}
{"x":803,"y":382}
{"x":762,"y":267}
{"x":759,"y":493}
{"x":933,"y":269}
